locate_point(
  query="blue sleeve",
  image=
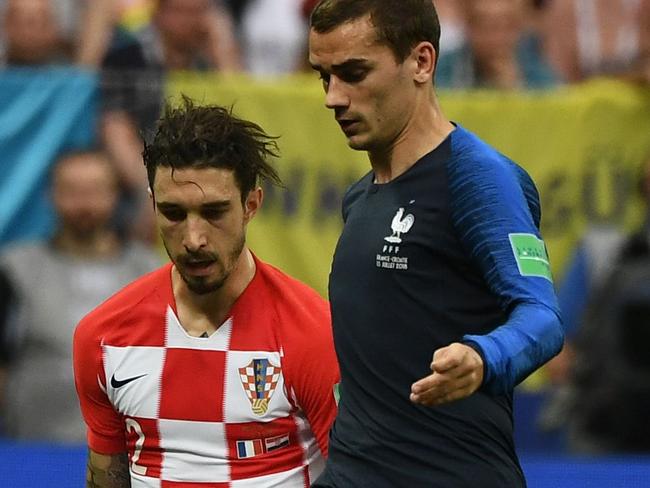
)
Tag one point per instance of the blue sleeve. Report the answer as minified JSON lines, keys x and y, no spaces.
{"x":492,"y":200}
{"x":573,"y":292}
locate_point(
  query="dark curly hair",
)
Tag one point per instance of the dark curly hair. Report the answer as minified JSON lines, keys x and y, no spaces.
{"x":210,"y":136}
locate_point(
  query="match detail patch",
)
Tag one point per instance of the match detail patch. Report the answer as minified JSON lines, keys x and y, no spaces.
{"x":530,"y":254}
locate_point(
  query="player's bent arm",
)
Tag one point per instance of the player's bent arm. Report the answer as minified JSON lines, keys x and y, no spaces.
{"x":495,"y":209}
{"x":107,"y":470}
{"x":531,"y":336}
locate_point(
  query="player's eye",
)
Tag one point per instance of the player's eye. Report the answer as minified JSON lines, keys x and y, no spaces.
{"x":174,"y":214}
{"x":212,"y":213}
{"x":354,"y":76}
{"x":325,"y":79}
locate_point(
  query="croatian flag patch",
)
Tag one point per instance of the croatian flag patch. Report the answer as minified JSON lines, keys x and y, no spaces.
{"x":247,"y":449}
{"x":273,"y":443}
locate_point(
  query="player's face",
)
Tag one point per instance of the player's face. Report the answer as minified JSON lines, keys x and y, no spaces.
{"x":203,"y":223}
{"x":370,"y":92}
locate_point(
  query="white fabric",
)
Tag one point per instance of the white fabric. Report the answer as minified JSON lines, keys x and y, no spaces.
{"x":274,"y":36}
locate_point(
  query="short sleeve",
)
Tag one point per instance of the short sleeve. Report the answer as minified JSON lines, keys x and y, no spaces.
{"x":106,"y":433}
{"x":312,"y":372}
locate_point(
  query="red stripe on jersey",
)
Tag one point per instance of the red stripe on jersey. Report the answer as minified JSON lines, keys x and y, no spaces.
{"x":184,"y":484}
{"x":305,"y":475}
{"x":192,"y":385}
{"x":143,"y":443}
{"x":276,"y":461}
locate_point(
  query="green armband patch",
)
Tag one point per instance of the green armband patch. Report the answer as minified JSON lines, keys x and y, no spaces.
{"x":337,"y":395}
{"x":530,"y":254}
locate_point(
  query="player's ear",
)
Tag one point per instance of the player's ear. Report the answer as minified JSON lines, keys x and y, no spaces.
{"x":253,"y":203}
{"x":424,"y":58}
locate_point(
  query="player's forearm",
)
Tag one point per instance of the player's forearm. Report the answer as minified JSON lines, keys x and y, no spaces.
{"x":532,"y":335}
{"x":107,"y":471}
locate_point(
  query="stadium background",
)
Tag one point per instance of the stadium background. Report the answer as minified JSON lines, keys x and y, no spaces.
{"x":582,"y":144}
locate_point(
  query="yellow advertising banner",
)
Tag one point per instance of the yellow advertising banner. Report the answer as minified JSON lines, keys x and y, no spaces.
{"x":582,"y":145}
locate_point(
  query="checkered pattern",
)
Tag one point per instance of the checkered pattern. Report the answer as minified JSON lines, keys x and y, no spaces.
{"x":184,"y":407}
{"x":260,"y":379}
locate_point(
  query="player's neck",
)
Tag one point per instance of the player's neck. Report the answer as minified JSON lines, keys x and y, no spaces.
{"x":207,"y":312}
{"x":426,"y":130}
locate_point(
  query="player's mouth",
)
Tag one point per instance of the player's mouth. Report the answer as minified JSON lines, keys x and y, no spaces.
{"x":199,"y":268}
{"x":347,"y":125}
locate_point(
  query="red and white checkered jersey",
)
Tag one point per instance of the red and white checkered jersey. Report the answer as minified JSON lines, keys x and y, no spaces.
{"x":249,"y":406}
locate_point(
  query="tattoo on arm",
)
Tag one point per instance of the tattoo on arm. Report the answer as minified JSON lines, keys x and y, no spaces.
{"x":108,"y":471}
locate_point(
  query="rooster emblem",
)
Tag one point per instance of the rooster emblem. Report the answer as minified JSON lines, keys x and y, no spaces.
{"x":401,"y":224}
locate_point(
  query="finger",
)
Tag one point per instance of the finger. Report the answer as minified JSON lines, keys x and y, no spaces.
{"x":431,"y":382}
{"x":439,"y":384}
{"x":444,"y":392}
{"x":443,"y":359}
{"x":448,"y":357}
{"x":448,"y":398}
{"x":443,"y":380}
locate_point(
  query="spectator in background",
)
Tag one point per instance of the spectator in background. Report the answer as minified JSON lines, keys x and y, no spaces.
{"x":644,"y":58}
{"x":38,"y":32}
{"x":55,"y":284}
{"x":182,"y":35}
{"x":273,"y":34}
{"x":32,"y":34}
{"x":498,"y":52}
{"x":452,"y":25}
{"x":97,"y":20}
{"x":589,"y":38}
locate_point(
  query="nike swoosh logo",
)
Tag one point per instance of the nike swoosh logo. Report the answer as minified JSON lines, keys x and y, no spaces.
{"x":119,"y":383}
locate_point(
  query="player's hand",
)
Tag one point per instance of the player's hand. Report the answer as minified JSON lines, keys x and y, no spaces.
{"x":457,"y":373}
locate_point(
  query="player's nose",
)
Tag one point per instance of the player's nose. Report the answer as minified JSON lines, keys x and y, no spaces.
{"x":195,"y":235}
{"x":336,"y":95}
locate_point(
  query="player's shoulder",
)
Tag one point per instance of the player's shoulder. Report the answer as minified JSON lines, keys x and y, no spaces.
{"x":131,"y":299}
{"x":357,"y":189}
{"x":469,"y":149}
{"x":473,"y":158}
{"x":292,"y":290}
{"x":293,"y":300}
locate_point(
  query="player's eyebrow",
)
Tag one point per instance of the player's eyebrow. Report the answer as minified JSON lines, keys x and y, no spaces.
{"x":351,"y":63}
{"x":215,"y":205}
{"x":347,"y":64}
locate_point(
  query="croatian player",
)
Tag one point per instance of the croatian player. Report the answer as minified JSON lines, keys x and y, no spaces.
{"x":216,"y":370}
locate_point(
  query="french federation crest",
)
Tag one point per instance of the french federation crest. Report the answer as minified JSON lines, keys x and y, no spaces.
{"x":259,"y":379}
{"x":401,"y":224}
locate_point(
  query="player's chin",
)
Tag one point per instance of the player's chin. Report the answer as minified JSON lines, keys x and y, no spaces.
{"x":202,"y":285}
{"x":357,"y":142}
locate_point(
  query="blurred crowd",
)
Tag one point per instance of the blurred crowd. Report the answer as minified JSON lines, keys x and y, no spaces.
{"x":132,"y":44}
{"x":494,"y":43}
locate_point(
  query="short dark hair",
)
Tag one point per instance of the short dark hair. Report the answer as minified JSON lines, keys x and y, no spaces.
{"x":210,"y":136}
{"x":95,"y":153}
{"x":400,"y":24}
